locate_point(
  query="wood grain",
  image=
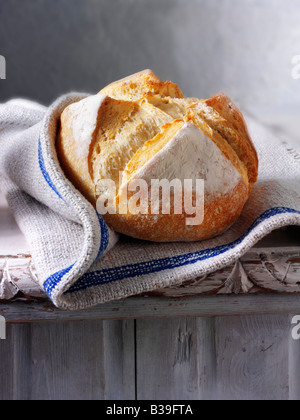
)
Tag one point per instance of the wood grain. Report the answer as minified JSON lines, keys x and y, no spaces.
{"x":69,"y":361}
{"x":294,"y":363}
{"x":15,"y":363}
{"x":233,"y":358}
{"x":175,"y":359}
{"x":253,"y":358}
{"x":156,"y":308}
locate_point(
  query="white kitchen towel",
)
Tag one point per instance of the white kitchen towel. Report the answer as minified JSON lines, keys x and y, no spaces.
{"x":80,"y":262}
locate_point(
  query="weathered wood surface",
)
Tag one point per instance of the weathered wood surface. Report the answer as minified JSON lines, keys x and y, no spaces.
{"x":18,"y":279}
{"x":176,"y":359}
{"x":253,"y":358}
{"x":235,"y":358}
{"x":66,"y":361}
{"x":156,"y":308}
{"x":240,"y":358}
{"x":260,"y":270}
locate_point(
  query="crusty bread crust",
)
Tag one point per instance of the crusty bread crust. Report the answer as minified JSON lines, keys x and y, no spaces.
{"x":134,"y":115}
{"x":75,"y":169}
{"x":219,"y":215}
{"x":140,"y":84}
{"x":235,"y":120}
{"x":79,"y":170}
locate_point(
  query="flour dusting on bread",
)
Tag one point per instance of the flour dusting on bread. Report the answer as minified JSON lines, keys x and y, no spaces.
{"x":84,"y":122}
{"x":199,"y":158}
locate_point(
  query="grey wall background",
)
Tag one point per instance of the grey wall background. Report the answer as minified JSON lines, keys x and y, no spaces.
{"x":244,"y":47}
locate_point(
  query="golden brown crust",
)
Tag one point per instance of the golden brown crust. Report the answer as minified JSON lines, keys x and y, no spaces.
{"x":141,"y":84}
{"x":235,"y":120}
{"x":75,"y":170}
{"x":140,"y":110}
{"x":198,"y":119}
{"x":79,"y":171}
{"x":119,"y":139}
{"x":219,"y":215}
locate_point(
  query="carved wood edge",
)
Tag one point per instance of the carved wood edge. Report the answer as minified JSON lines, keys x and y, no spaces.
{"x":261,"y":270}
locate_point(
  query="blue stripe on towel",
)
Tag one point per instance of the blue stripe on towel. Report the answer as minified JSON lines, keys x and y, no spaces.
{"x":44,"y":171}
{"x":111,"y":275}
{"x":104,"y":236}
{"x":56,"y":278}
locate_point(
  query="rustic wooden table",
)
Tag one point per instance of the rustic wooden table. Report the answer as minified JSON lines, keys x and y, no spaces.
{"x":225,"y":336}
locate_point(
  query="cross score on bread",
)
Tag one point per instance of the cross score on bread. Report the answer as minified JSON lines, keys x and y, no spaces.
{"x":145,"y":129}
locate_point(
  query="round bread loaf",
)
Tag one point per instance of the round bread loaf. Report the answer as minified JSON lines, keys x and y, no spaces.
{"x":141,"y":133}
